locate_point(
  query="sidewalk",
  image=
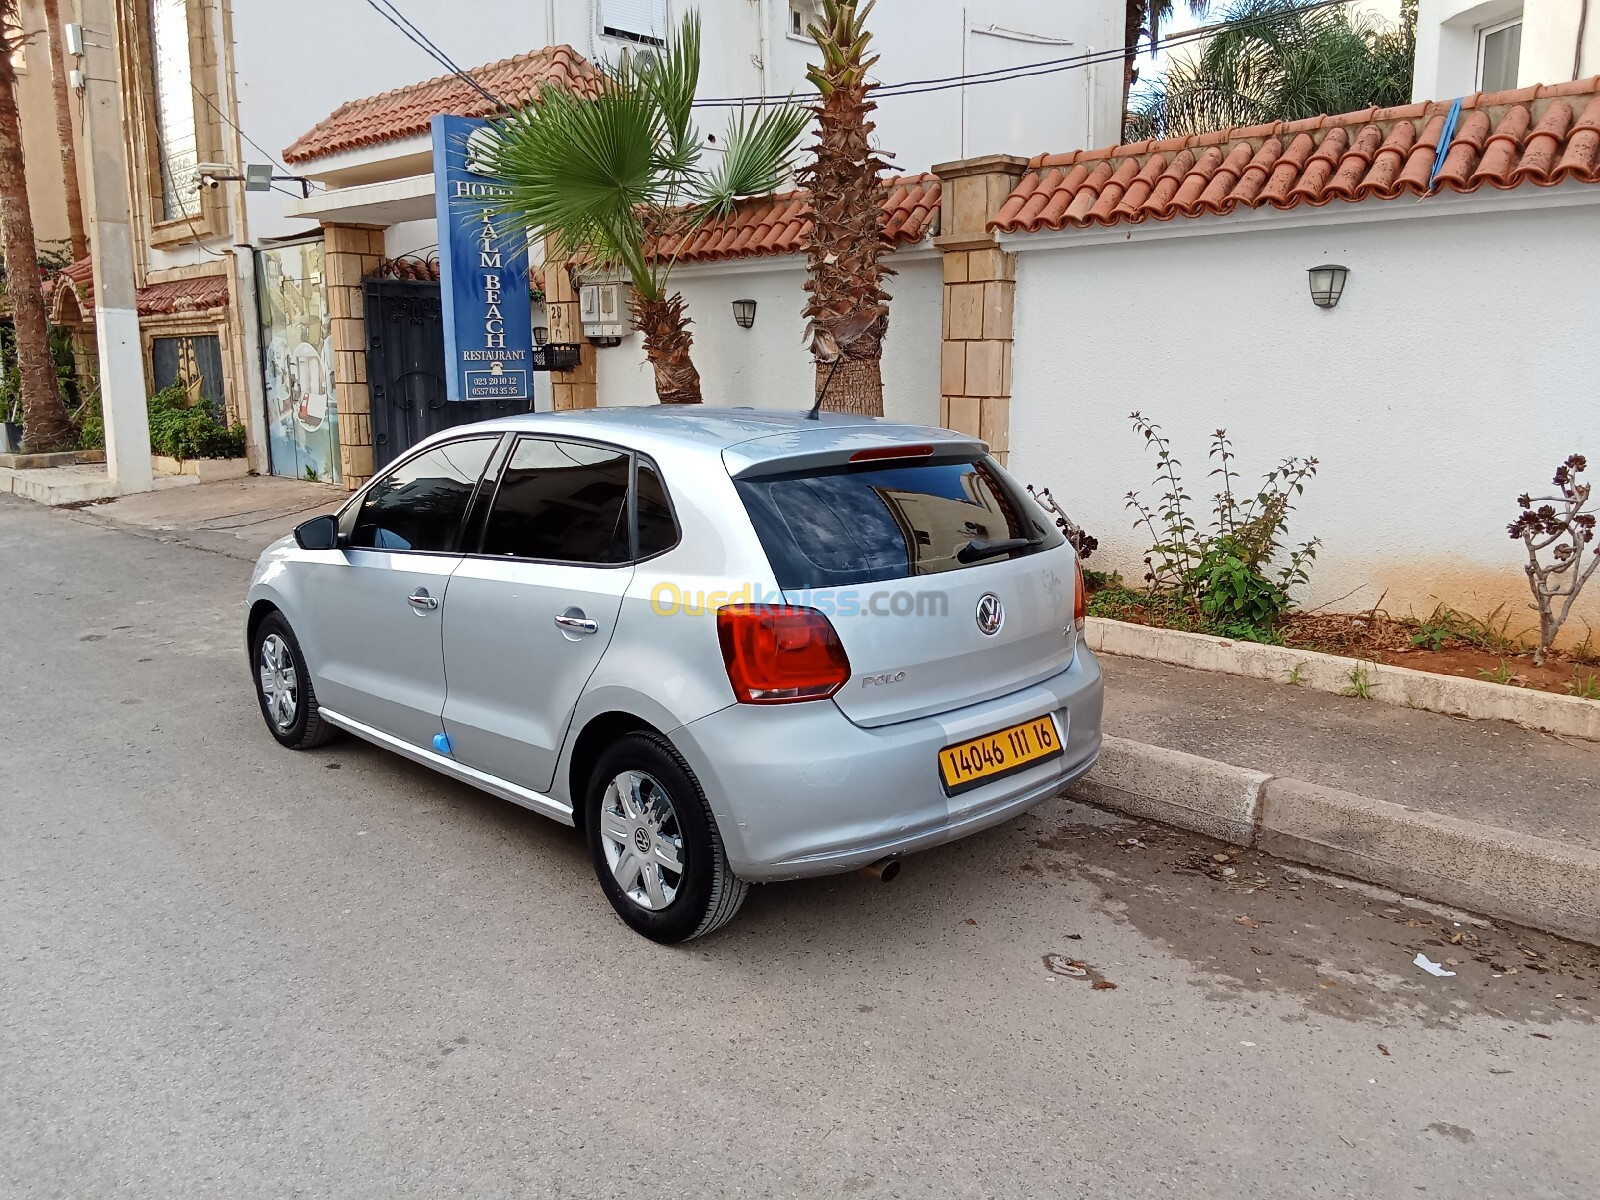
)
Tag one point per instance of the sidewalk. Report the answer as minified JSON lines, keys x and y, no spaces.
{"x":236,"y":517}
{"x":76,"y":484}
{"x":1492,"y":772}
{"x":1484,"y":815}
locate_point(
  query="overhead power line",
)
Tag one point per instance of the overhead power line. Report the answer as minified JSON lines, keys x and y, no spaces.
{"x":914,"y":87}
{"x":911,"y":87}
{"x":404,"y":24}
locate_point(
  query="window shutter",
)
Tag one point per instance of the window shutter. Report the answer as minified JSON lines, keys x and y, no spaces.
{"x":634,"y":19}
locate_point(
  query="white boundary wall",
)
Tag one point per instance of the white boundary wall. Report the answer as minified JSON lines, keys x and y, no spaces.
{"x":1457,"y":371}
{"x":767,"y":365}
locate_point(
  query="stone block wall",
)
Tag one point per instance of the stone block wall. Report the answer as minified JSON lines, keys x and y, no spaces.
{"x":352,"y":252}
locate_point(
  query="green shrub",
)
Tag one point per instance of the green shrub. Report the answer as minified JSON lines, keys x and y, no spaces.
{"x":91,"y":425}
{"x":183,"y":433}
{"x":1231,"y":591}
{"x":1236,"y":571}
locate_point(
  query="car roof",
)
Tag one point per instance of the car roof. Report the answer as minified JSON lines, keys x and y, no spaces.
{"x":716,"y":429}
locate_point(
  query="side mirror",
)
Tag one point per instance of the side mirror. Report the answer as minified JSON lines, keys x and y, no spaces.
{"x":319,"y":533}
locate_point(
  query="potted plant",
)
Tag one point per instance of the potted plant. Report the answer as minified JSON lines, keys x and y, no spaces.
{"x":11,"y":428}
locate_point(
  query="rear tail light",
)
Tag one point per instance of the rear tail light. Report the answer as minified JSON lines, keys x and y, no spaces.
{"x":1080,"y":601}
{"x":780,"y":654}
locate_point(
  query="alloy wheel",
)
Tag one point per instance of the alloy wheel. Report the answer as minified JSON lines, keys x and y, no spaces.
{"x":642,"y":840}
{"x":280,"y":686}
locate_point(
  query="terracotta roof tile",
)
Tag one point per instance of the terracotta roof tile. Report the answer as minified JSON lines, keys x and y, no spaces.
{"x":157,"y":299}
{"x":407,"y":111}
{"x":184,"y":295}
{"x":1541,"y":135}
{"x":780,"y":224}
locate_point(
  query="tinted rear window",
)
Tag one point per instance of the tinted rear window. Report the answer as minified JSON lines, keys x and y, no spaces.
{"x":561,"y":502}
{"x":846,"y":526}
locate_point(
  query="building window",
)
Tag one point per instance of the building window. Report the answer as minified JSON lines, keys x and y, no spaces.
{"x":643,"y":21}
{"x":1499,"y":50}
{"x":177,"y":148}
{"x":193,"y":362}
{"x":802,"y":15}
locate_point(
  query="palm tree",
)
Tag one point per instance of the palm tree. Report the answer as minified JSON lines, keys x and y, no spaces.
{"x":69,"y":149}
{"x":847,"y":307}
{"x":1281,"y":62}
{"x":1144,"y":20}
{"x":619,"y":179}
{"x":45,"y":423}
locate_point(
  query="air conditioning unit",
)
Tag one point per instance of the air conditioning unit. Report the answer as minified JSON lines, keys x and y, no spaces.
{"x":603,"y":309}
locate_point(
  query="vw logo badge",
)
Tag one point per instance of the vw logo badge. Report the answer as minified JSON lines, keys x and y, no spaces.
{"x":641,"y":840}
{"x":990,"y":615}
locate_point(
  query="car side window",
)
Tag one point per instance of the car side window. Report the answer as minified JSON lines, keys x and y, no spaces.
{"x":561,"y":502}
{"x":420,"y":504}
{"x":658,"y":530}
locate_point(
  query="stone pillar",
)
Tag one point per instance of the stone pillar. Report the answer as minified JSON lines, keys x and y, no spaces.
{"x":575,"y":388}
{"x":351,"y":253}
{"x":979,"y":292}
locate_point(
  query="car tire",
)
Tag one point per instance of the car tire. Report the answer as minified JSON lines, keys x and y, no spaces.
{"x":645,"y":811}
{"x":283,"y":686}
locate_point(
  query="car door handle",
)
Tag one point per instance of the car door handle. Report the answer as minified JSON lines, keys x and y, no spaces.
{"x":577,"y":624}
{"x":421,"y":599}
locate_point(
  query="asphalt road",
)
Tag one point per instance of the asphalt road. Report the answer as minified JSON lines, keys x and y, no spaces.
{"x":232,"y":970}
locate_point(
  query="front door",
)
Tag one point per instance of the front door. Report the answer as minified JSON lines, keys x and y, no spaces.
{"x":376,"y":617}
{"x":531,"y":615}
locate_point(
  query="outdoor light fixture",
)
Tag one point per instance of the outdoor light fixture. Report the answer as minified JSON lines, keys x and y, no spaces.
{"x":744,"y":312}
{"x":541,"y":334}
{"x":1327,"y":284}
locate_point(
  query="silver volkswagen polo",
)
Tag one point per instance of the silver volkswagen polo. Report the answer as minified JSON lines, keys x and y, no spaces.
{"x":731,"y":645}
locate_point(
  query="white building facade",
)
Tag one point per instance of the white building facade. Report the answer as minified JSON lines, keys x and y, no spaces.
{"x":1466,"y":46}
{"x":752,"y":48}
{"x":346,"y":111}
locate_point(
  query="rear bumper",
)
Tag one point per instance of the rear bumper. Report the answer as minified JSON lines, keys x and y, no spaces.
{"x":799,"y":790}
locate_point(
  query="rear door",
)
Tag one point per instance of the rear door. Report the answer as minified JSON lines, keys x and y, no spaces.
{"x":533,"y":609}
{"x":907,"y":558}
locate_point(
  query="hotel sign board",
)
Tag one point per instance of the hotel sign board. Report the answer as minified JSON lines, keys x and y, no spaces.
{"x":483,"y":275}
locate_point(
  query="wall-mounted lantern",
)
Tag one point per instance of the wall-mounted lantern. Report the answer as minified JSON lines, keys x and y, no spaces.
{"x":541,"y":334}
{"x":744,"y":312}
{"x":1327,"y":284}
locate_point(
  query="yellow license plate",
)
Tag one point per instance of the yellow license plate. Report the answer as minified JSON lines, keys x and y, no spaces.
{"x":994,"y":755}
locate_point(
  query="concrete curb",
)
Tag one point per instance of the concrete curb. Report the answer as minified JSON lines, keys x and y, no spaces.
{"x":47,"y":486}
{"x":1530,"y":880}
{"x":1201,"y":794}
{"x":1447,"y":694}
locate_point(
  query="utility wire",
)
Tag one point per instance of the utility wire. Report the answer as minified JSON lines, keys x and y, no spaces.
{"x":404,"y":24}
{"x":915,"y":87}
{"x":911,"y":87}
{"x":255,"y":144}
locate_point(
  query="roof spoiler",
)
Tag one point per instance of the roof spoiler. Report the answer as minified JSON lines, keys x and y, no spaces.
{"x":822,"y":447}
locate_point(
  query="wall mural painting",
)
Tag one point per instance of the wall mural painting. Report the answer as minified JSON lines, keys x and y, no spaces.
{"x":297,"y":344}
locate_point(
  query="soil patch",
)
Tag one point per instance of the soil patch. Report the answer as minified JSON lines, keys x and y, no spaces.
{"x":1447,"y":643}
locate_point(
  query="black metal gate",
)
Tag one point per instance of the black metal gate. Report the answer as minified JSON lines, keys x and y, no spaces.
{"x":406,"y":370}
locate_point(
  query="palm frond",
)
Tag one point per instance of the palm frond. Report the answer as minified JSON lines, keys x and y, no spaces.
{"x":668,"y":79}
{"x":1276,"y":60}
{"x":759,"y":152}
{"x":577,"y":170}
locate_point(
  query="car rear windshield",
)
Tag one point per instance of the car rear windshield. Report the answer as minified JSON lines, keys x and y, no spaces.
{"x":841,"y":526}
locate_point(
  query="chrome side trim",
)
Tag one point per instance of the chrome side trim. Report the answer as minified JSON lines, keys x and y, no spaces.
{"x":493,"y":784}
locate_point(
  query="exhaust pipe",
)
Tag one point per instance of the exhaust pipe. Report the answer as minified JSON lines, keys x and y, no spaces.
{"x":884,"y":870}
